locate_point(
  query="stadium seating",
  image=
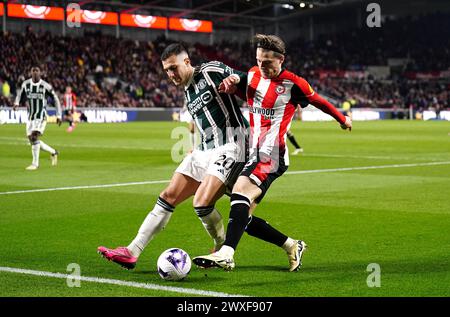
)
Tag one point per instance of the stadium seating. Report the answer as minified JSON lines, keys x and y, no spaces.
{"x":106,"y":72}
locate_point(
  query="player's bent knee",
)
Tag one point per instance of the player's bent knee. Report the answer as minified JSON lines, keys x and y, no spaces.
{"x":240,"y":187}
{"x":33,"y":138}
{"x":202,"y":200}
{"x":251,"y":191}
{"x":169,"y":195}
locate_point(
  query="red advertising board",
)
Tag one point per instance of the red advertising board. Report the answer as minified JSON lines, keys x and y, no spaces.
{"x":143,"y":21}
{"x":108,"y":18}
{"x":93,"y":17}
{"x":190,"y":25}
{"x":35,"y":12}
{"x":2,"y":10}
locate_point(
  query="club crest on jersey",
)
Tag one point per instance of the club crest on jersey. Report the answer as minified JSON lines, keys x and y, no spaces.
{"x":202,"y":84}
{"x":280,"y":90}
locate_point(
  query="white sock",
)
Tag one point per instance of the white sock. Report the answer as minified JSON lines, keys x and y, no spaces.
{"x":47,"y":148}
{"x":227,"y":251}
{"x":35,"y":149}
{"x":155,"y":221}
{"x":214,"y":226}
{"x":288,"y":244}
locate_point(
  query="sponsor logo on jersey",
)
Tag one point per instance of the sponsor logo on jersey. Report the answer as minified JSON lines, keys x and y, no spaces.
{"x":206,"y":97}
{"x":35,"y":96}
{"x":267,"y":113}
{"x":200,"y":102}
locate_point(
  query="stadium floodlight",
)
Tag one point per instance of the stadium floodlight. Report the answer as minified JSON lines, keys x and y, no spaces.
{"x":302,"y":4}
{"x":311,"y":6}
{"x":287,"y":6}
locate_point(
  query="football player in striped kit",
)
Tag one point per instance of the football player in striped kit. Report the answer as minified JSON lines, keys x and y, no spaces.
{"x":35,"y":93}
{"x":207,"y":170}
{"x":69,"y":107}
{"x":211,"y":168}
{"x":273,"y":93}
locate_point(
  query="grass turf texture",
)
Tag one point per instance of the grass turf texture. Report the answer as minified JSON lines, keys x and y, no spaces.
{"x":395,"y":217}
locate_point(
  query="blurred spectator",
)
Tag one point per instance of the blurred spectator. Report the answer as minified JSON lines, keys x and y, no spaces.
{"x":107,"y":72}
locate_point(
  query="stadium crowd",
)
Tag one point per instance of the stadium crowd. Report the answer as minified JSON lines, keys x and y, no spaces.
{"x":106,"y":72}
{"x":102,"y":70}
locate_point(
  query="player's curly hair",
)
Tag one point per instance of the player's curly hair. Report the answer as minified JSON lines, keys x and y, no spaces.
{"x":270,"y":42}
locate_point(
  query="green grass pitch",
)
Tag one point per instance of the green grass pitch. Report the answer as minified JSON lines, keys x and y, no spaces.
{"x":397,"y":217}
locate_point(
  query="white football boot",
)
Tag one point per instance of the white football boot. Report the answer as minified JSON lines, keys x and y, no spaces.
{"x":214,"y":260}
{"x":32,"y":167}
{"x":295,"y":255}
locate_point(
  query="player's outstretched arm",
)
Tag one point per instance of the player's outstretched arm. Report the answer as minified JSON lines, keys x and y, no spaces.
{"x":347,"y":124}
{"x":306,"y":95}
{"x":57,"y":104}
{"x":322,"y":104}
{"x":19,"y":97}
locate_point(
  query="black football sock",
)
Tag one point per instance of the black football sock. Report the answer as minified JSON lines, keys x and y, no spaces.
{"x":259,"y":228}
{"x":291,"y":138}
{"x":240,"y":206}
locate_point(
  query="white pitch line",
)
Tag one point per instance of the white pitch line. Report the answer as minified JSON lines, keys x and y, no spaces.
{"x":117,"y":147}
{"x":327,"y":170}
{"x":343,"y":169}
{"x":97,"y":146}
{"x":374,"y":157}
{"x":190,"y":291}
{"x":83,"y":187}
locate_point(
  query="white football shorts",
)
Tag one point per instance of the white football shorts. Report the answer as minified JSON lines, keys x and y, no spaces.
{"x":36,"y":125}
{"x":225,"y":162}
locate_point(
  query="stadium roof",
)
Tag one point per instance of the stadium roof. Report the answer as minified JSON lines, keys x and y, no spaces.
{"x":226,"y":12}
{"x":233,"y":13}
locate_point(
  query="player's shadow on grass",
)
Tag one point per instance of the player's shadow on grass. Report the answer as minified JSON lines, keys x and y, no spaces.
{"x":260,"y":268}
{"x":198,"y":276}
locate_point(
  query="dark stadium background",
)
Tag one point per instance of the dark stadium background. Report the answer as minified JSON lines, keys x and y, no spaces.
{"x":376,"y":195}
{"x":401,"y":65}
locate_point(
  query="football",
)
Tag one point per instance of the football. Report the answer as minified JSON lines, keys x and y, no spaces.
{"x":174,"y":264}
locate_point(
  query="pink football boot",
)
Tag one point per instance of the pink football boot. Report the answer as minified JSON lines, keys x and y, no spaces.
{"x":120,"y":255}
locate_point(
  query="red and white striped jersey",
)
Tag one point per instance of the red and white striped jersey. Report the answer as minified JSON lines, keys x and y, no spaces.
{"x":272,"y":103}
{"x":69,"y":101}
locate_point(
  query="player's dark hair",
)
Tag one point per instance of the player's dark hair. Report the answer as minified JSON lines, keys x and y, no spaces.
{"x":271,"y":43}
{"x":172,"y":49}
{"x":36,"y":65}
